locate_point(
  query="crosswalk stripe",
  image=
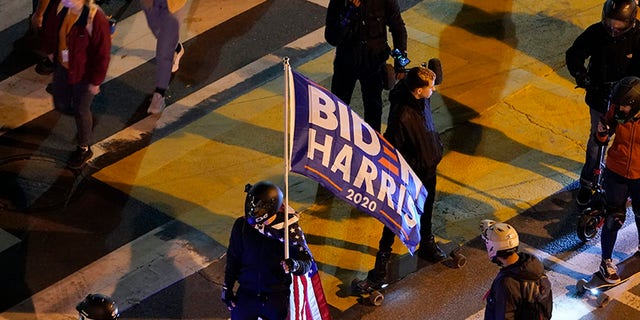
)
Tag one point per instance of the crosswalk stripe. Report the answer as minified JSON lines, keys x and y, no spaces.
{"x":129,"y":274}
{"x":23,"y":96}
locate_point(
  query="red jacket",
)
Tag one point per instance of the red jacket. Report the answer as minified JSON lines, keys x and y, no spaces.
{"x":89,"y":55}
{"x":623,"y":156}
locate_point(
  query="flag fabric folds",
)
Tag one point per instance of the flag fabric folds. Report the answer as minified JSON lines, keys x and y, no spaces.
{"x":332,"y":145}
{"x":307,"y":300}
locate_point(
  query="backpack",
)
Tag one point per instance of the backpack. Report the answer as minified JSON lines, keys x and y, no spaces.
{"x":537,"y":298}
{"x":93,"y":8}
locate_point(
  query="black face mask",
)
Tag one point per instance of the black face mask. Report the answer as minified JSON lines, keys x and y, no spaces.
{"x":620,"y":116}
{"x":496,"y":261}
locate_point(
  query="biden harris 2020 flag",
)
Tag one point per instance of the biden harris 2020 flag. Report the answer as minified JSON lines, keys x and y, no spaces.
{"x":332,"y":145}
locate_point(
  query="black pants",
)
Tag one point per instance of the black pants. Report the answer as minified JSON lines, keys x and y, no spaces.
{"x":250,"y":306}
{"x":343,"y":83}
{"x":388,"y":237}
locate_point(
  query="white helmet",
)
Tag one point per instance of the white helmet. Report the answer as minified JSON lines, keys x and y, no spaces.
{"x":498,"y":236}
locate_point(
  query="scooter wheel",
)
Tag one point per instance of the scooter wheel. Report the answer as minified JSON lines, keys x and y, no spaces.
{"x":588,"y":226}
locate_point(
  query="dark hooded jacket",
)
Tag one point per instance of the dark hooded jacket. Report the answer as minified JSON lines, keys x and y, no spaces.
{"x":253,"y":259}
{"x":505,"y":298}
{"x":411,"y":130}
{"x":609,"y":60}
{"x":360,"y":34}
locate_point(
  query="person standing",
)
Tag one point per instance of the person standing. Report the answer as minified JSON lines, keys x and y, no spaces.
{"x":164,"y":18}
{"x":358,"y":30}
{"x":255,"y":257}
{"x":521,"y":290}
{"x":81,"y":53}
{"x":612,"y":49}
{"x":622,"y":171}
{"x":412,"y":132}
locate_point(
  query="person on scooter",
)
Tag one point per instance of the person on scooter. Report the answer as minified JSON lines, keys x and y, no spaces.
{"x":604,"y":53}
{"x":622,"y":171}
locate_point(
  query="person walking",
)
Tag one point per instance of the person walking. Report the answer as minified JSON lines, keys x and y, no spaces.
{"x":81,"y":51}
{"x":164,"y":18}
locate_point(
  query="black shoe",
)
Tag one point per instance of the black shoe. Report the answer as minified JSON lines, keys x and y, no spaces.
{"x":378,"y":274}
{"x":430,"y":251}
{"x":79,"y":157}
{"x":44,"y":67}
{"x":584,"y":195}
{"x":609,"y":271}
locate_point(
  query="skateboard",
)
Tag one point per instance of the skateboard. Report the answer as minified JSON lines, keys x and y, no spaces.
{"x":369,"y":291}
{"x":373,"y":292}
{"x":627,"y":269}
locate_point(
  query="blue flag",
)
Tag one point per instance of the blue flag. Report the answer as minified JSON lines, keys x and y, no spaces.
{"x":335,"y":147}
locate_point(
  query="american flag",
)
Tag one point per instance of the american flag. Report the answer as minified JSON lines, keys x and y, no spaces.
{"x":307,"y":301}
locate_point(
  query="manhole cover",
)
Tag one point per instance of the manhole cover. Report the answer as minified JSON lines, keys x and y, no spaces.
{"x":35,"y":183}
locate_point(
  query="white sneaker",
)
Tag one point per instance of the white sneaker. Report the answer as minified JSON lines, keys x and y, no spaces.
{"x":176,"y":57}
{"x":157,"y":104}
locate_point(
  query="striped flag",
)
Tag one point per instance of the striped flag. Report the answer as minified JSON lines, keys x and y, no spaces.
{"x":307,"y":301}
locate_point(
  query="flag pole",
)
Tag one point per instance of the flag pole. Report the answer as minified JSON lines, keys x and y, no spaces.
{"x":287,"y":105}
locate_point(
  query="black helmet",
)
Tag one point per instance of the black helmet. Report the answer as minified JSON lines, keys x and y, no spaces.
{"x":627,"y":93}
{"x":263,"y":201}
{"x":98,"y":307}
{"x":622,"y":10}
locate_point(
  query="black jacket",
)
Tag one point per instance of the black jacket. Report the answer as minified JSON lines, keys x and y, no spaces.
{"x":505,"y":297}
{"x":411,"y":130}
{"x":253,"y":259}
{"x":360,"y":34}
{"x":610,"y":59}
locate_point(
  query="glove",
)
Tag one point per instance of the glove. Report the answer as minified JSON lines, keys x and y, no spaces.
{"x":289,"y":265}
{"x":228,"y":297}
{"x":582,"y":80}
{"x":602,"y":134}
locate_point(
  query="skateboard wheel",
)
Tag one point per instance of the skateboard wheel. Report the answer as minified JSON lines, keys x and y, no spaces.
{"x":603,"y":300}
{"x":580,"y":286}
{"x":376,"y":298}
{"x":460,"y":260}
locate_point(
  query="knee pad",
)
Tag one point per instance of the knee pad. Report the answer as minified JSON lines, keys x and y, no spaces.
{"x":614,"y":221}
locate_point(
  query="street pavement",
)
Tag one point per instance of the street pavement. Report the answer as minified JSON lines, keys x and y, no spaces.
{"x":147,"y":221}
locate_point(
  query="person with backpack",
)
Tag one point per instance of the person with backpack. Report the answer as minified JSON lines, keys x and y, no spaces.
{"x":521,"y":290}
{"x":81,"y":51}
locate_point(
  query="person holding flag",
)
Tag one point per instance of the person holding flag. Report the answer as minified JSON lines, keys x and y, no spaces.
{"x":411,"y":130}
{"x":256,"y":259}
